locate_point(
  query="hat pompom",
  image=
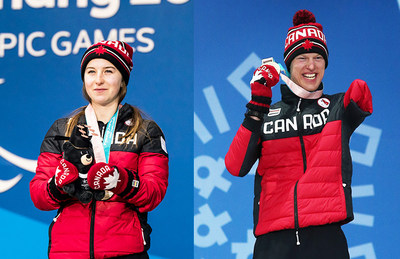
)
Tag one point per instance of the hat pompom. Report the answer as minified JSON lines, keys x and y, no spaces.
{"x":303,"y":17}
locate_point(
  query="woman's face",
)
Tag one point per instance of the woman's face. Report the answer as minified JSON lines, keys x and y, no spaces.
{"x":102,"y":82}
{"x":307,"y":70}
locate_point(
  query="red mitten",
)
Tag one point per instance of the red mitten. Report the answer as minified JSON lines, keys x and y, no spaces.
{"x":265,"y":77}
{"x":360,"y":94}
{"x":66,"y":173}
{"x":102,"y":176}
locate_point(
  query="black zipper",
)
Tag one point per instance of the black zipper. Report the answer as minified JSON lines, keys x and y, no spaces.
{"x":91,"y":243}
{"x":303,"y":149}
{"x":303,"y":152}
{"x":296,"y":215}
{"x":51,"y":229}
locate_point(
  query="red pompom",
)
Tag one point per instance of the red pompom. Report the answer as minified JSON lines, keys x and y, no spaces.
{"x":302,"y":17}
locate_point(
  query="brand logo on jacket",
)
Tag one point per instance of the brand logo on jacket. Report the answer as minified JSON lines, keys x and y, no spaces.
{"x":324,"y":102}
{"x":310,"y":121}
{"x":129,"y":122}
{"x":120,"y":138}
{"x":274,"y":112}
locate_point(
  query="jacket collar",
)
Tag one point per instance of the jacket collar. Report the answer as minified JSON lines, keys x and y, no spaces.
{"x":125,"y":113}
{"x":289,"y":97}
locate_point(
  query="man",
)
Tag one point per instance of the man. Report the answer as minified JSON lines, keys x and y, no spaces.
{"x":303,"y":179}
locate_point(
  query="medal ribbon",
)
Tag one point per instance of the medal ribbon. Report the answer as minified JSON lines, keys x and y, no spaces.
{"x":299,"y":91}
{"x":101,"y":147}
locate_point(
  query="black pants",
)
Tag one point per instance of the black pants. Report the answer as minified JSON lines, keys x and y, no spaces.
{"x":142,"y":255}
{"x":316,"y":242}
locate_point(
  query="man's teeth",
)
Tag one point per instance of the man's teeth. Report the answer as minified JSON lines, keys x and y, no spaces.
{"x":310,"y":76}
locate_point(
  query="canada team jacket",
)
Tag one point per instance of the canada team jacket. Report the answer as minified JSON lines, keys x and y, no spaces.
{"x":304,"y":173}
{"x":115,"y":227}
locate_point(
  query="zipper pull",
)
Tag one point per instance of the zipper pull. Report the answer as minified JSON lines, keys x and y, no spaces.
{"x":55,"y":219}
{"x":297,"y":238}
{"x":298,"y":105}
{"x":102,"y":131}
{"x":144,"y":241}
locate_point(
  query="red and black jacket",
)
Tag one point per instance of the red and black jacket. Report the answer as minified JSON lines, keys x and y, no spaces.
{"x":114,"y":227}
{"x":304,"y":173}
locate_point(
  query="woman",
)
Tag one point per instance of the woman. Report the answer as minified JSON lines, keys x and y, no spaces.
{"x":128,"y":178}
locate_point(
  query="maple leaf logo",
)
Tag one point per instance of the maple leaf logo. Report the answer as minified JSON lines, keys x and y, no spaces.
{"x":307,"y":45}
{"x":58,"y":170}
{"x":257,"y":76}
{"x":100,"y":50}
{"x":111,"y":180}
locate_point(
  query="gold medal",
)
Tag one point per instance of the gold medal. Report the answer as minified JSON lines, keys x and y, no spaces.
{"x":107,"y":195}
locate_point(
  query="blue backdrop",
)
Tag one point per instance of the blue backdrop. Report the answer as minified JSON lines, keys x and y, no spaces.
{"x":41,"y":44}
{"x":231,"y":38}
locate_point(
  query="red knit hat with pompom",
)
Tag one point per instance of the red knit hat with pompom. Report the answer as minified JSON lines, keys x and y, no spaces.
{"x":305,"y":37}
{"x":119,"y":53}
